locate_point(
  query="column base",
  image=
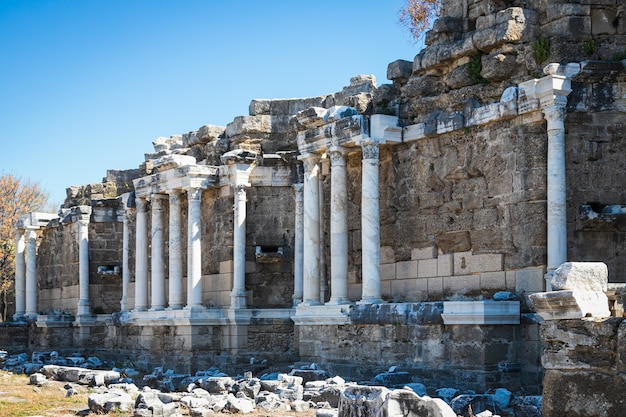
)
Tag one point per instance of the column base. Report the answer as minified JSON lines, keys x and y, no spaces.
{"x":311,"y":303}
{"x":194,"y":307}
{"x":175,"y":307}
{"x":238,"y":300}
{"x":84,"y":308}
{"x":157,"y":308}
{"x":338,"y":301}
{"x":370,"y":301}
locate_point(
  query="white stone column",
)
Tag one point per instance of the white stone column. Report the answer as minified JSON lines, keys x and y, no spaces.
{"x":157,"y":266}
{"x":370,"y":225}
{"x":20,"y":274}
{"x":311,"y":277}
{"x":125,"y":256}
{"x":84,"y":306}
{"x":298,"y":245}
{"x":141,"y":255}
{"x":323,"y":170}
{"x":194,"y":249}
{"x":238,"y":293}
{"x":175,"y":253}
{"x":557,"y":216}
{"x":31,"y":272}
{"x":338,"y":227}
{"x":551,"y":92}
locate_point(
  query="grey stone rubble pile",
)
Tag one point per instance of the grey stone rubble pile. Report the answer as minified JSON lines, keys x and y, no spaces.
{"x":166,"y":393}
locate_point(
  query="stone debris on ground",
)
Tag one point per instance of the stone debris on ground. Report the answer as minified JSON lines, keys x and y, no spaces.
{"x":165,"y":393}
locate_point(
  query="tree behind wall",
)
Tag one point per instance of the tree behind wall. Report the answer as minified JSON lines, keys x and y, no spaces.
{"x":17,"y":197}
{"x":418,"y":16}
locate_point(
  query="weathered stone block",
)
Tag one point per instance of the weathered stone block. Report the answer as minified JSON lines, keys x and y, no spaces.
{"x":581,"y":276}
{"x":399,"y":71}
{"x":530,"y":280}
{"x":493,"y":280}
{"x":427,"y":268}
{"x":445,"y":265}
{"x":387,"y":255}
{"x":407,"y":269}
{"x":388,"y":271}
{"x":602,"y":21}
{"x":435,"y":287}
{"x":428,"y":252}
{"x":567,"y":304}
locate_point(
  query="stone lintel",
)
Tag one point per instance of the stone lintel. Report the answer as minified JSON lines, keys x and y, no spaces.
{"x":35,"y":220}
{"x":316,"y":315}
{"x":481,"y":312}
{"x":568,"y":304}
{"x":345,"y":132}
{"x":189,"y":176}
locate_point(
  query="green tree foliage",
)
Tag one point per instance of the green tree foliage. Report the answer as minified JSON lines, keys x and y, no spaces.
{"x":418,"y":16}
{"x":17,"y":197}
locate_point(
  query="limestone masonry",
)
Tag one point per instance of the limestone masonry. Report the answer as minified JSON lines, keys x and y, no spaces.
{"x":405,"y":224}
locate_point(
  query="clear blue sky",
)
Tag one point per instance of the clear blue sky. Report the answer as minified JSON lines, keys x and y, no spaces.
{"x":87,"y":85}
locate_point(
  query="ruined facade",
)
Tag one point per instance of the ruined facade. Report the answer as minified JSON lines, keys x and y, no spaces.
{"x":404,"y":224}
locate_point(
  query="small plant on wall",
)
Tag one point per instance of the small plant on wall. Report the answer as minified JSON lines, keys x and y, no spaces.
{"x":541,"y":50}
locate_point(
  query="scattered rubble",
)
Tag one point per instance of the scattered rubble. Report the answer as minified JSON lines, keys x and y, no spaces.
{"x":165,"y":393}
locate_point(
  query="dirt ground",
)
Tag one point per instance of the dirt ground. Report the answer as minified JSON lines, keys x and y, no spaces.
{"x":20,"y":399}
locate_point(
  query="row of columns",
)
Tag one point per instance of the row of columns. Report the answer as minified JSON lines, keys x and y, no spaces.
{"x":307,"y":263}
{"x":157,"y":243}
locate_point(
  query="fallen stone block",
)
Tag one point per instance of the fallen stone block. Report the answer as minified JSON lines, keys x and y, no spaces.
{"x":581,"y":276}
{"x":561,"y":305}
{"x":110,"y":402}
{"x":407,"y":403}
{"x":38,"y":379}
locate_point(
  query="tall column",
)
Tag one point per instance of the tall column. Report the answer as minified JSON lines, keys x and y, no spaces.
{"x":141,"y":255}
{"x":338,"y":227}
{"x":557,"y":220}
{"x":311,"y":278}
{"x":320,"y":204}
{"x":298,"y":246}
{"x":238,"y":293}
{"x":83,"y":307}
{"x":194,"y":249}
{"x":125,"y":257}
{"x":20,"y":274}
{"x":157,"y":266}
{"x":370,"y":225}
{"x":31,"y":272}
{"x":175,"y":253}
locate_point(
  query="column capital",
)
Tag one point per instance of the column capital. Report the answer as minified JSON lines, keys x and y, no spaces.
{"x":337,"y":155}
{"x":141,"y":204}
{"x":557,"y":110}
{"x":309,"y":161}
{"x":31,"y":233}
{"x":370,"y":149}
{"x":174,"y":196}
{"x":194,"y":193}
{"x":157,"y":197}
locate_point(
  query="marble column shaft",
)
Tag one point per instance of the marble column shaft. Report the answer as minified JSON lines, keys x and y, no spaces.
{"x":370,"y":225}
{"x":175,"y":253}
{"x":338,"y":227}
{"x":31,"y":272}
{"x":20,"y":273}
{"x":141,"y":255}
{"x":557,"y":220}
{"x":125,"y":258}
{"x":194,"y":249}
{"x":83,"y":263}
{"x":298,"y":245}
{"x":238,"y":293}
{"x":157,"y":266}
{"x":311,"y":277}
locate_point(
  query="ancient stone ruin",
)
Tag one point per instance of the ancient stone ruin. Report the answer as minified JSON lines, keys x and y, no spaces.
{"x":404,"y":225}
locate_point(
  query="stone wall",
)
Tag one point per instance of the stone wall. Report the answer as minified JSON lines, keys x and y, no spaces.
{"x":584,"y":361}
{"x":414,"y":338}
{"x":595,"y":140}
